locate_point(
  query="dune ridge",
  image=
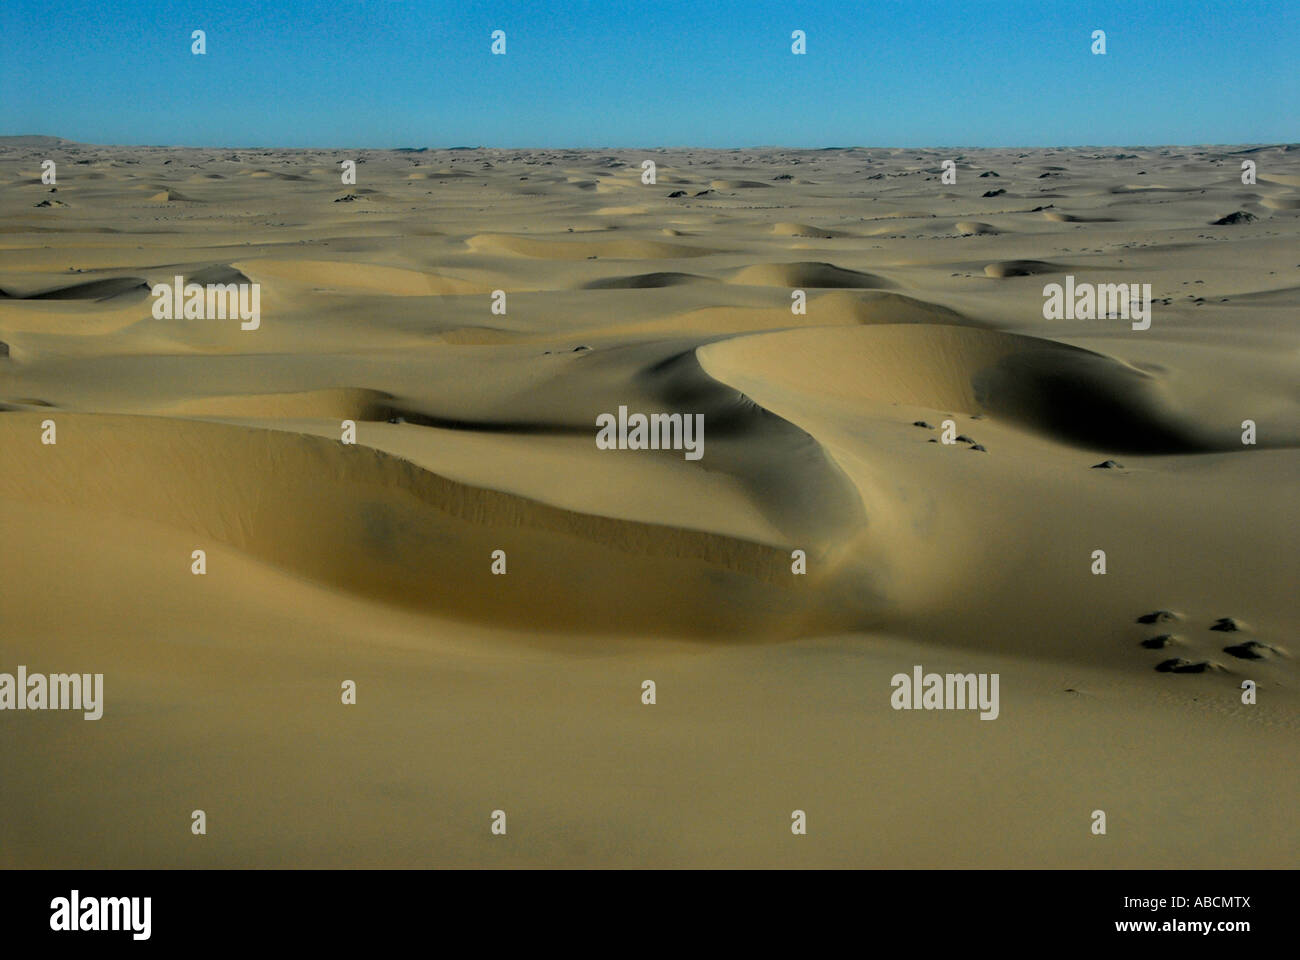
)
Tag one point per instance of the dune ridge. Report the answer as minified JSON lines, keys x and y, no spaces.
{"x":289,"y":499}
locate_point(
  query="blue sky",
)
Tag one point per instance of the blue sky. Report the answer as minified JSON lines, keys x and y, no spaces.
{"x":388,"y":73}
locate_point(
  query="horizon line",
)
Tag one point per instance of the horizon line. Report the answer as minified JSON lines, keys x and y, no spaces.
{"x":761,"y":146}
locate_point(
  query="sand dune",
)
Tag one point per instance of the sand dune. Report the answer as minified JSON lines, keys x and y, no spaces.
{"x":1021,"y":268}
{"x":619,"y":249}
{"x":826,"y":443}
{"x":100,"y":290}
{"x":1282,"y":203}
{"x":338,"y":403}
{"x":292,"y":501}
{"x":643,"y":281}
{"x":171,"y":196}
{"x":805,"y":230}
{"x":975,"y":227}
{"x":1057,"y":216}
{"x":806,"y":274}
{"x":1078,"y":396}
{"x":626,"y":211}
{"x":358,"y":277}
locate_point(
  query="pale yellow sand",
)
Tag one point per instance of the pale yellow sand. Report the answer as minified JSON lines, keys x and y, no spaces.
{"x":371,"y":562}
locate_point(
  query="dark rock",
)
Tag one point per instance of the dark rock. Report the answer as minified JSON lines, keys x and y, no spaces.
{"x":1238,"y":216}
{"x":1159,"y":616}
{"x":1248,"y":650}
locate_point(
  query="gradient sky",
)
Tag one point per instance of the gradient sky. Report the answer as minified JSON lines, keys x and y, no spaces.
{"x":616,"y":73}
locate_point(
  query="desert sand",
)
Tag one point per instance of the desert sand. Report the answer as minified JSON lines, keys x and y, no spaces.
{"x":475,"y":432}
